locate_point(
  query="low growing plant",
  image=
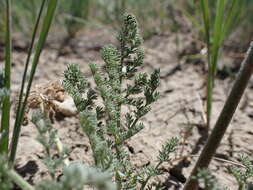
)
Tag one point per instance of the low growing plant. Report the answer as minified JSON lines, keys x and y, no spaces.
{"x":207,"y":181}
{"x":75,"y":175}
{"x":106,"y":125}
{"x":242,"y":175}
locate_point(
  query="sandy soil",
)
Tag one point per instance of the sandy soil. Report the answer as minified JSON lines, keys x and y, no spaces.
{"x":179,"y":108}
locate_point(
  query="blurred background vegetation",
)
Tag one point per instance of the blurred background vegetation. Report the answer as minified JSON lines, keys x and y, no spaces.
{"x":155,"y":16}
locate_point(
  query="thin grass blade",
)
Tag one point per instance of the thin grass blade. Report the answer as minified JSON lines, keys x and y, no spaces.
{"x":52,"y":4}
{"x":213,"y":53}
{"x":217,"y":35}
{"x":232,"y":17}
{"x":18,"y":114}
{"x":5,"y":121}
{"x":206,"y":19}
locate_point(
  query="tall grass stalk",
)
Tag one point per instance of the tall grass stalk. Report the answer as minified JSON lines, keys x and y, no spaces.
{"x":42,"y":38}
{"x":20,"y":100}
{"x":213,"y":53}
{"x":224,"y":119}
{"x":5,"y":121}
{"x":215,"y":38}
{"x":206,"y":19}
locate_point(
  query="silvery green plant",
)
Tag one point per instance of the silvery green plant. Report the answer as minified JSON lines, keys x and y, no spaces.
{"x":75,"y":176}
{"x":242,"y":175}
{"x":78,"y":176}
{"x":119,"y":84}
{"x":47,"y":137}
{"x":207,"y":181}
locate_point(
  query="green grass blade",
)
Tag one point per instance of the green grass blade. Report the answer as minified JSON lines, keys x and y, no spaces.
{"x":206,"y":19}
{"x":213,"y":54}
{"x":217,"y":35}
{"x":193,"y":20}
{"x":18,"y":115}
{"x":5,"y":121}
{"x":232,"y":17}
{"x":222,"y":27}
{"x":52,"y":4}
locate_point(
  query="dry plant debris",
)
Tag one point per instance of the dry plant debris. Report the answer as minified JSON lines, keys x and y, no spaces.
{"x":52,"y":99}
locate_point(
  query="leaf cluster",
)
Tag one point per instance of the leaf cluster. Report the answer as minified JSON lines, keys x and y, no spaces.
{"x":76,"y":176}
{"x":242,"y":176}
{"x":47,"y":137}
{"x":207,"y":181}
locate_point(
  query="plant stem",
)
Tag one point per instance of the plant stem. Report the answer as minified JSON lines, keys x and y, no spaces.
{"x":5,"y":122}
{"x":224,"y":118}
{"x":214,"y":50}
{"x":14,"y":176}
{"x":240,"y":187}
{"x":210,"y":86}
{"x":206,"y":19}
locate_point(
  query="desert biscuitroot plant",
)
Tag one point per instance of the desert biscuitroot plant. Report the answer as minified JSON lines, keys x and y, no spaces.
{"x":207,"y":181}
{"x":224,"y":118}
{"x":47,"y":137}
{"x":242,"y":172}
{"x":242,"y":175}
{"x":76,"y":176}
{"x":100,"y":109}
